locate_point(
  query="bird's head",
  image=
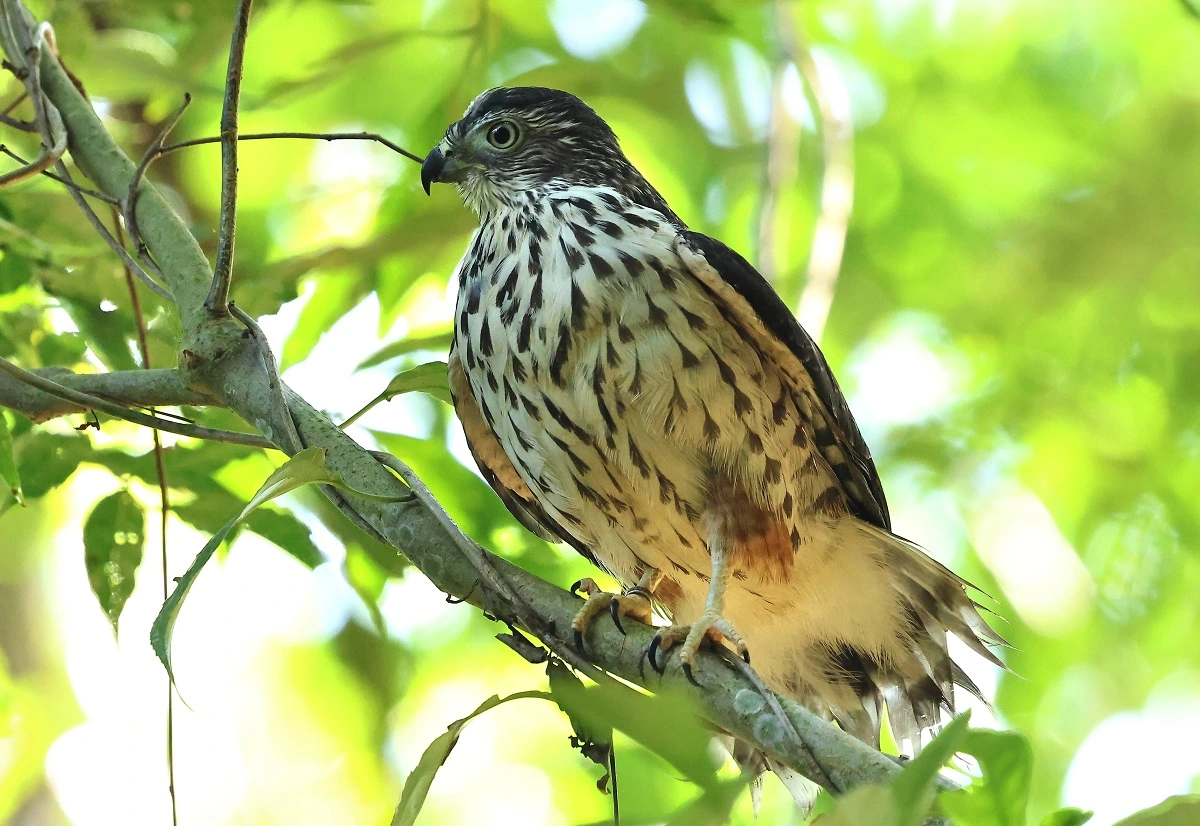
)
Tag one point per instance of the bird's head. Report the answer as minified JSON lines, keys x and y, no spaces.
{"x":515,"y":141}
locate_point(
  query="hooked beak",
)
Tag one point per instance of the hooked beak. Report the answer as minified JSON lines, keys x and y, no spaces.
{"x":432,"y":168}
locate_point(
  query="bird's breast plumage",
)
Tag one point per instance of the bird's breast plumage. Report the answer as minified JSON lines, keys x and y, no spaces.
{"x":628,"y":403}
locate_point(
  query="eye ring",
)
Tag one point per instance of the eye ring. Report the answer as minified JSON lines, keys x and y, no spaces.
{"x":504,"y":134}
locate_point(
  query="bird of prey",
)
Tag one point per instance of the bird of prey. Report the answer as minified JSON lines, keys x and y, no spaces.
{"x":638,"y":391}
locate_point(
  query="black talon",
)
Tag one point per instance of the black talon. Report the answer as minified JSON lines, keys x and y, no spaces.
{"x":575,"y":586}
{"x":652,"y":653}
{"x":687,"y":672}
{"x":579,"y":639}
{"x":614,"y":609}
{"x":746,"y":657}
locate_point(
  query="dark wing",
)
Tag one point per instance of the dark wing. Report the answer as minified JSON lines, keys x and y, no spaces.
{"x":753,"y":306}
{"x":498,"y":469}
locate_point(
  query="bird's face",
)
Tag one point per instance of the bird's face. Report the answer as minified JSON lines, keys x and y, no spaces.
{"x":513,"y":145}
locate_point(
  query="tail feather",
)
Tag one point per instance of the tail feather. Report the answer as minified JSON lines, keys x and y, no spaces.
{"x":917,"y":681}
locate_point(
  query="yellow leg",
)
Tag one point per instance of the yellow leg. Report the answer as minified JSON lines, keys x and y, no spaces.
{"x":635,"y":603}
{"x":710,"y":626}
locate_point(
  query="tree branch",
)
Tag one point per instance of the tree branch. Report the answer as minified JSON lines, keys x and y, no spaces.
{"x":218,"y":295}
{"x":87,"y":401}
{"x":222,"y":359}
{"x":132,"y":388}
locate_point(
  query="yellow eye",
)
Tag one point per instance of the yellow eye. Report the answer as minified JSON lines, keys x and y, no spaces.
{"x":504,"y":134}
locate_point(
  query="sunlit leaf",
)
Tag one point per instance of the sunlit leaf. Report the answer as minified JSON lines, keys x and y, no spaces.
{"x":713,"y":807}
{"x":305,"y":468}
{"x":416,"y":787}
{"x":427,"y":378}
{"x":914,"y":788}
{"x":1067,"y":817}
{"x":8,"y":464}
{"x":114,"y":537}
{"x":667,"y":724}
{"x":439,"y":342}
{"x":874,"y":805}
{"x":1181,"y":810}
{"x":1001,"y":796}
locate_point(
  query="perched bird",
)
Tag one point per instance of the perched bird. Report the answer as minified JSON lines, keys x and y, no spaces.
{"x":638,"y":391}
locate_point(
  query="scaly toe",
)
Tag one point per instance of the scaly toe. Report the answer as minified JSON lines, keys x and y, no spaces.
{"x":689,"y":638}
{"x":635,"y":606}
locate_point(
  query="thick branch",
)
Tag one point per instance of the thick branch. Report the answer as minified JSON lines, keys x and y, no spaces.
{"x":224,"y":358}
{"x":133,"y":388}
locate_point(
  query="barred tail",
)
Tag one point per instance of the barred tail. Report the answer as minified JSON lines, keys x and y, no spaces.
{"x":919,"y":684}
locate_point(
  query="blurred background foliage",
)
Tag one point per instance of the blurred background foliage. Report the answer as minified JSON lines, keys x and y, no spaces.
{"x":1016,"y":322}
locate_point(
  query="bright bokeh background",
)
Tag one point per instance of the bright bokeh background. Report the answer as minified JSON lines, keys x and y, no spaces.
{"x":1016,"y":323}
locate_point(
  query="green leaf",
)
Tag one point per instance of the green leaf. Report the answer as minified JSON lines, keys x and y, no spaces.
{"x":1001,"y":796}
{"x":305,"y":468}
{"x":914,"y":788}
{"x":8,"y":463}
{"x":428,"y":378}
{"x":416,"y":787}
{"x":1067,"y":817}
{"x":571,"y":695}
{"x":667,"y":724}
{"x":1181,"y":810}
{"x":438,"y":341}
{"x":103,"y":332}
{"x":871,"y":804}
{"x":714,"y":807}
{"x":114,"y":537}
{"x":47,"y":460}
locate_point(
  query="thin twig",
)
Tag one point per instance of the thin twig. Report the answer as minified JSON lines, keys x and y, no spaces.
{"x":112,"y":242}
{"x":100,"y":196}
{"x":814,"y":771}
{"x":164,"y":508}
{"x":308,"y":136}
{"x":53,"y":147}
{"x":128,"y":206}
{"x":87,"y":400}
{"x":17,"y":102}
{"x":21,"y":125}
{"x":837,"y":192}
{"x":218,"y":294}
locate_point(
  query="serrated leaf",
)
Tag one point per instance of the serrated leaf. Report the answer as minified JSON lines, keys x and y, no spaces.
{"x":1067,"y":817}
{"x":8,"y":463}
{"x":1001,"y":796}
{"x":1181,"y":810}
{"x":914,"y":788}
{"x":416,"y":787}
{"x":114,"y":537}
{"x":430,"y":378}
{"x":305,"y":468}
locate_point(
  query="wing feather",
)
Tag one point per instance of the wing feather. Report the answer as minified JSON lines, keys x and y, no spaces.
{"x":498,"y":470}
{"x":758,"y":309}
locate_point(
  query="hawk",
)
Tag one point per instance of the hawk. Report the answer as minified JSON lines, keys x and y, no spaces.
{"x":638,"y":391}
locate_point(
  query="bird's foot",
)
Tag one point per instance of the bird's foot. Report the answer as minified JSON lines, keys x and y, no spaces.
{"x":634,"y":604}
{"x":711,"y":626}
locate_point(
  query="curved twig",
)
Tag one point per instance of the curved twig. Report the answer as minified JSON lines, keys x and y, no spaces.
{"x":129,"y":204}
{"x":308,"y":136}
{"x":100,"y":196}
